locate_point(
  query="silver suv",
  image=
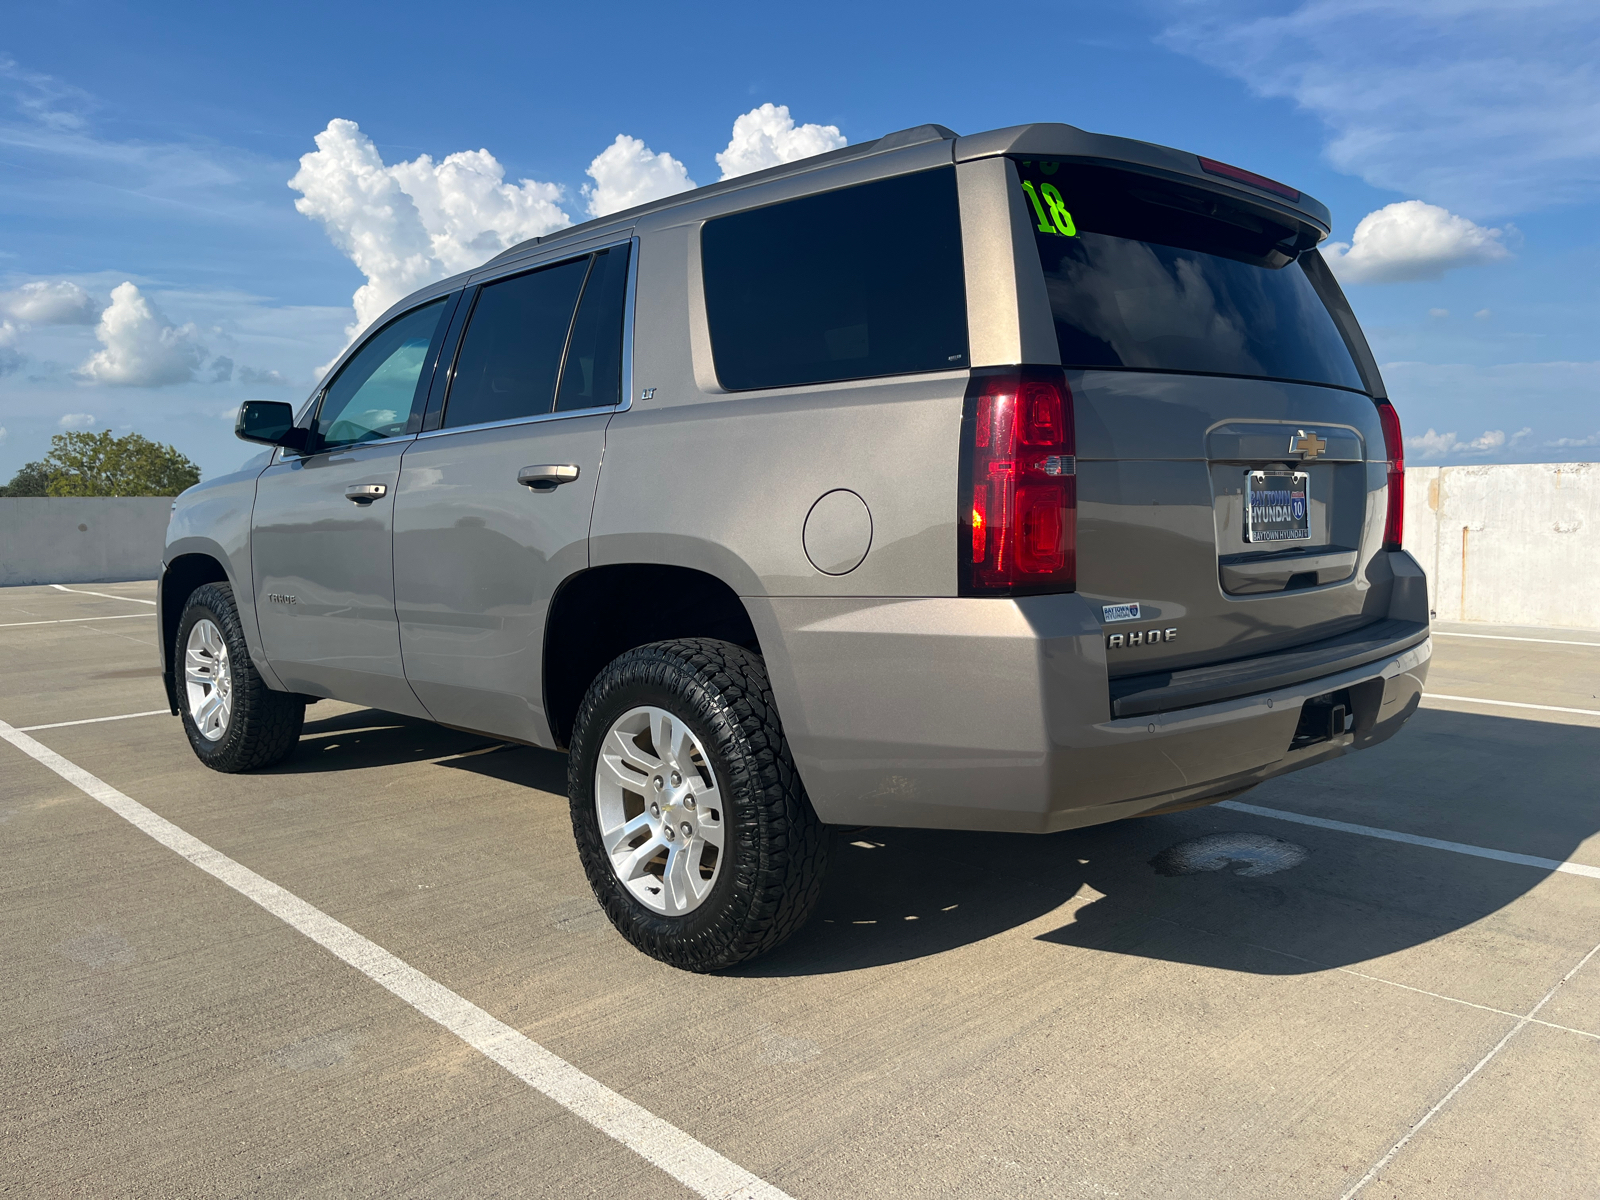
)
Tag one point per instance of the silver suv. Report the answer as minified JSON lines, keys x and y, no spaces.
{"x":1019,"y":481}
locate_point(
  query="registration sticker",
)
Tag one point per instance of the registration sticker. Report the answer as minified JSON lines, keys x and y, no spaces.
{"x":1120,"y":612}
{"x":1276,"y":508}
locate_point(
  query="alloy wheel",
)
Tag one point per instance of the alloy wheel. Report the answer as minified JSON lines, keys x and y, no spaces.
{"x":660,"y":811}
{"x":208,"y":680}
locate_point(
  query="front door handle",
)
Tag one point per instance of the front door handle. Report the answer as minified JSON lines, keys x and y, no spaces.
{"x":548,"y":477}
{"x":365,"y":493}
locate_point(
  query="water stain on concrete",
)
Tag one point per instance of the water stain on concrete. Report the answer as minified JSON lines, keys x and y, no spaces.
{"x":316,"y":1053}
{"x":1256,"y":853}
{"x":98,"y":949}
{"x":779,"y":1048}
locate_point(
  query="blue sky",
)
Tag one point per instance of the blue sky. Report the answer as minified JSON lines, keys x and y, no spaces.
{"x":151,"y":145}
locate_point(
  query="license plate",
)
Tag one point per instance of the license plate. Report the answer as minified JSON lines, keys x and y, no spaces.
{"x":1275,"y":507}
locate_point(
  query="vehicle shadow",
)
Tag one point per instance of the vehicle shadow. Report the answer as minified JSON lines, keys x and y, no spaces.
{"x":359,"y":739}
{"x":896,"y":894}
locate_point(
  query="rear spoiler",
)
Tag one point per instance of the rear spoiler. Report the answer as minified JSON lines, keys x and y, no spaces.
{"x":1068,"y":143}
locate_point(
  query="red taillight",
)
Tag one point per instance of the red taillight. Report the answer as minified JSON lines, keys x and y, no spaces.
{"x":1019,"y":501}
{"x":1394,"y":449}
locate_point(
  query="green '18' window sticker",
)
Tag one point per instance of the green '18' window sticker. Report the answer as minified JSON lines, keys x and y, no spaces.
{"x":1051,"y":210}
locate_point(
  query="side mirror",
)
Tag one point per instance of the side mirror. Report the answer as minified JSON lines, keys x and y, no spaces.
{"x":270,"y":422}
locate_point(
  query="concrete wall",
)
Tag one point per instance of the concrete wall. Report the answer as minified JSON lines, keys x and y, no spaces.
{"x":1509,"y":545}
{"x":70,"y":539}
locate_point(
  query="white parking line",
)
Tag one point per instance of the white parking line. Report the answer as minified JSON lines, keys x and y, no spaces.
{"x":1522,"y":1023}
{"x":1586,"y":712}
{"x":1505,"y":637}
{"x":75,"y":620}
{"x":1405,"y":987}
{"x":154,"y":712}
{"x":1411,"y":839}
{"x":691,"y":1163}
{"x":104,"y":595}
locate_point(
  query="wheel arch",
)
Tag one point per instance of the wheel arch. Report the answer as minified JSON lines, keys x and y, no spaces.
{"x":604,"y":611}
{"x":179,"y":578}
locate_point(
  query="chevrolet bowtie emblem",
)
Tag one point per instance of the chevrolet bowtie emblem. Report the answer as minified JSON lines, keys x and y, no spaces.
{"x":1308,"y":445}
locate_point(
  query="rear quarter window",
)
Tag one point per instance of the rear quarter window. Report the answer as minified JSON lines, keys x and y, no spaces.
{"x":856,"y":283}
{"x":1154,"y":275}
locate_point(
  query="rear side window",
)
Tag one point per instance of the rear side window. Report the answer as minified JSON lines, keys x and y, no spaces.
{"x":592,"y":376}
{"x":1160,"y":276}
{"x":510,"y":355}
{"x":851,"y":284}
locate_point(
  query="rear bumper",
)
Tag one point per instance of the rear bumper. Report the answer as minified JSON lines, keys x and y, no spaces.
{"x":996,"y":714}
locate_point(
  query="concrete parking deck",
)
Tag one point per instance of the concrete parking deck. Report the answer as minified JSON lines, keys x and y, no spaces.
{"x":968,"y":1015}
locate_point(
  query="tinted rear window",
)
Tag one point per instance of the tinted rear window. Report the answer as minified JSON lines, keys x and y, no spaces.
{"x":511,"y":353}
{"x":850,"y":284}
{"x":592,"y":376}
{"x":1159,"y":276}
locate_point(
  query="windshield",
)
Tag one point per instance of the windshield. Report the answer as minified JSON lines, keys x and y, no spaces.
{"x":1152,"y":275}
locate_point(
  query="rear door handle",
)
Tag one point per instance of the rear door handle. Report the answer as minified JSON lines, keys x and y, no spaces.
{"x":365,"y":493}
{"x":547,"y":477}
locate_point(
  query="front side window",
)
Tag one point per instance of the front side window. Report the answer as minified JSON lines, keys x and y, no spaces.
{"x":851,"y":284}
{"x":510,"y":355}
{"x":382,"y":386}
{"x":1162,"y":276}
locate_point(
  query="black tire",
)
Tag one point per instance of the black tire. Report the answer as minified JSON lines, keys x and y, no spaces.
{"x":264,"y":725}
{"x":776,"y":848}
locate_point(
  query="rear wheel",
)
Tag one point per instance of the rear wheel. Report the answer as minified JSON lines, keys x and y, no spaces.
{"x":234,"y":721}
{"x":692,"y":825}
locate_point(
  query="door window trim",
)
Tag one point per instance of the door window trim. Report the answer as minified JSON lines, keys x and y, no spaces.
{"x":452,"y":349}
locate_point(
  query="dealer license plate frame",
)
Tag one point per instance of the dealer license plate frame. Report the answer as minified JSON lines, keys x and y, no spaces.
{"x":1277,"y":521}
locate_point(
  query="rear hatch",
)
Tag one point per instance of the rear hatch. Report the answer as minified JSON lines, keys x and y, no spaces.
{"x":1231,"y":466}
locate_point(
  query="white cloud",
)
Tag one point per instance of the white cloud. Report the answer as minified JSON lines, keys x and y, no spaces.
{"x":1437,"y":445}
{"x":252,"y":375}
{"x":1410,"y":240}
{"x":11,"y":358}
{"x":1492,"y":439}
{"x":1482,"y":106}
{"x":47,"y":119}
{"x":1568,"y":443}
{"x":627,"y":173}
{"x":412,"y":223}
{"x":1431,"y":444}
{"x":1483,"y":314}
{"x":76,"y":420}
{"x":141,"y":347}
{"x":471,"y":213}
{"x":3,"y":433}
{"x":1438,"y":312}
{"x":43,"y":98}
{"x":767,"y":136}
{"x":1553,"y":402}
{"x":50,"y":302}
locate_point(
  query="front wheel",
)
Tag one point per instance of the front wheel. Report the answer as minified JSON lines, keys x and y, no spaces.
{"x":234,"y":721}
{"x":693,"y":828}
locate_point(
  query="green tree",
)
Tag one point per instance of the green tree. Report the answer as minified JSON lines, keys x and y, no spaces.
{"x":32,"y":479}
{"x":97,"y":464}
